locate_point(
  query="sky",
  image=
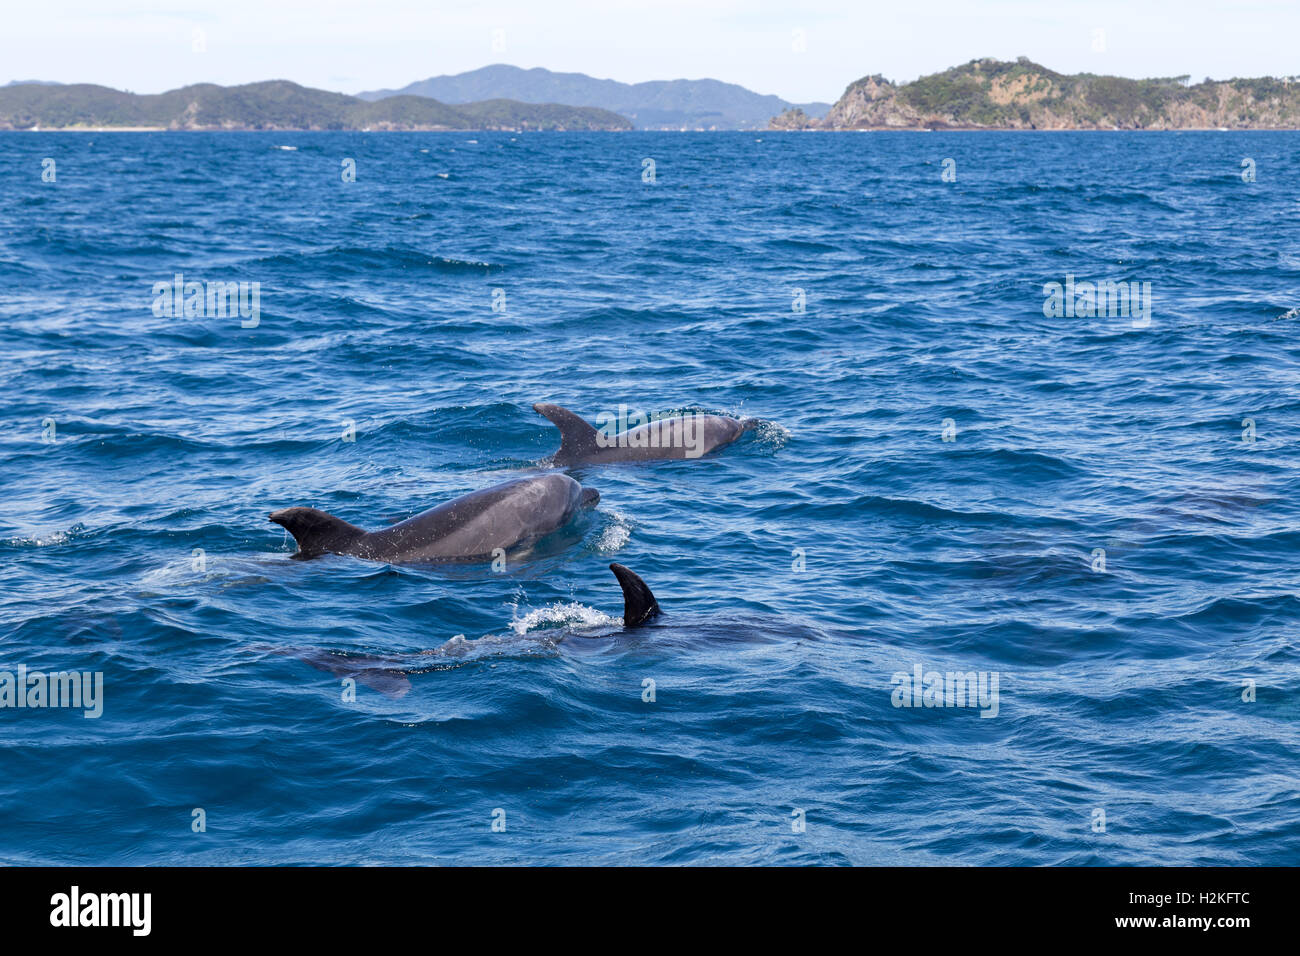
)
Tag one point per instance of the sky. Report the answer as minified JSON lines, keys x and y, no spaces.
{"x":803,"y":51}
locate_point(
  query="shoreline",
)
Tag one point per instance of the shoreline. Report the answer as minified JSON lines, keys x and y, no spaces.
{"x":294,"y":129}
{"x":1053,"y":129}
{"x":855,"y":129}
{"x":298,"y":129}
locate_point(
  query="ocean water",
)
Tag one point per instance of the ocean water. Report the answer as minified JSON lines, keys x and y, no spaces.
{"x":1097,"y":512}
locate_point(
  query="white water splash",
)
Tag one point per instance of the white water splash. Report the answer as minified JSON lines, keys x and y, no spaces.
{"x":559,"y":614}
{"x":614,"y":535}
{"x":36,"y":541}
{"x":770,"y":435}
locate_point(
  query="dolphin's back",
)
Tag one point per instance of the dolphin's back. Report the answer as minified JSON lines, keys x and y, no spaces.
{"x":683,"y":436}
{"x":475,"y":525}
{"x":686,"y":436}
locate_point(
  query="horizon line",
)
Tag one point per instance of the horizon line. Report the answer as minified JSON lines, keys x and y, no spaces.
{"x":831,"y":101}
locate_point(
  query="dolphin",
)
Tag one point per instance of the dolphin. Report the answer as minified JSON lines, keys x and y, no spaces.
{"x":639,"y":604}
{"x":468,"y":528}
{"x":686,"y":436}
{"x":390,"y":676}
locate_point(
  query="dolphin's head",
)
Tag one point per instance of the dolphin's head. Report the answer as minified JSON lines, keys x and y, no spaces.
{"x":317,"y":532}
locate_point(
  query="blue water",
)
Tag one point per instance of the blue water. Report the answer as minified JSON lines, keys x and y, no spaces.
{"x":1120,"y":689}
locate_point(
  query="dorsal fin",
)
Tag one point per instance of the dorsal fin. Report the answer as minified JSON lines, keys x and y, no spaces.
{"x":577,"y":438}
{"x":317,"y":532}
{"x":639,"y":605}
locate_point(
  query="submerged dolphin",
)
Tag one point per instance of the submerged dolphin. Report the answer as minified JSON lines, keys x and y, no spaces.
{"x":685,"y":436}
{"x":389,"y":676}
{"x":468,"y":528}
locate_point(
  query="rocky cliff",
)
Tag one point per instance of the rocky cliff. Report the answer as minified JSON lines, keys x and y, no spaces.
{"x":996,"y":94}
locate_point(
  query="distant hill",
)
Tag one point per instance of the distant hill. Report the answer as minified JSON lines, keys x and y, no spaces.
{"x":276,"y":104}
{"x":996,"y":94}
{"x":661,"y":104}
